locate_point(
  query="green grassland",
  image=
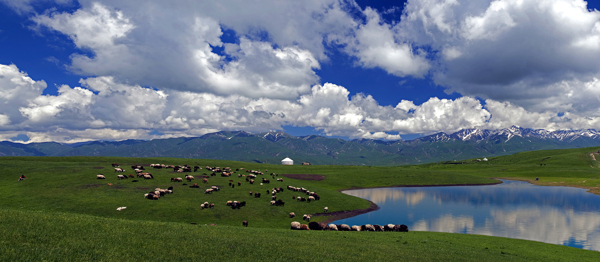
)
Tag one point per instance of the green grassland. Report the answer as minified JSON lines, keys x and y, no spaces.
{"x":61,"y":205}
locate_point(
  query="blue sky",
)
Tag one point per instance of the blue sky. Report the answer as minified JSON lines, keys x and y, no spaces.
{"x":74,"y":71}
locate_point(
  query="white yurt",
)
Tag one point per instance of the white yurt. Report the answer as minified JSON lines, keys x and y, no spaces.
{"x":287,"y":161}
{"x":484,"y":159}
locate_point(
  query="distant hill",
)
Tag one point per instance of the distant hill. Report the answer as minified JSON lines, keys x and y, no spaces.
{"x":271,"y":147}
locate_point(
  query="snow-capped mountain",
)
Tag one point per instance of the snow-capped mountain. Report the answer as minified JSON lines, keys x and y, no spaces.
{"x":516,"y":131}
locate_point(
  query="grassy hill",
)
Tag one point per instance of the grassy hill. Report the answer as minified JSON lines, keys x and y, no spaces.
{"x":61,"y":204}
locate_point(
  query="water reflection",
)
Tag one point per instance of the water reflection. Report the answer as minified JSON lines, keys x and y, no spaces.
{"x":557,"y":215}
{"x":382,"y":195}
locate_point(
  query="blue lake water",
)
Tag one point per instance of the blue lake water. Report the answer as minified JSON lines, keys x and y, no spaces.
{"x":558,"y":215}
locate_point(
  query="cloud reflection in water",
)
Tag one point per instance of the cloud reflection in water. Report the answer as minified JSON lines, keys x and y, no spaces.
{"x":557,"y":215}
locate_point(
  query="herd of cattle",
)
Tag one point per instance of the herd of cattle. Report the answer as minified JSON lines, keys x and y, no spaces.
{"x":252,"y":174}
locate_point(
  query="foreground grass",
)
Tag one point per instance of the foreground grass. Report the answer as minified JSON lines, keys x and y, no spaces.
{"x":37,"y":236}
{"x":62,"y":211}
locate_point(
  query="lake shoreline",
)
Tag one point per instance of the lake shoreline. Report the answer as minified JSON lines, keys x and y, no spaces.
{"x":339,"y":215}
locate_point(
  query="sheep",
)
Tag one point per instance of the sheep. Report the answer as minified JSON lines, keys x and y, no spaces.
{"x":120,"y":208}
{"x":100,"y":176}
{"x":306,"y":217}
{"x":272,"y":202}
{"x":176,"y":179}
{"x":115,"y":165}
{"x":245,"y":223}
{"x":250,"y":193}
{"x":311,"y":198}
{"x":344,"y":227}
{"x":279,"y":203}
{"x":121,"y":177}
{"x":388,"y":227}
{"x":229,"y":203}
{"x":315,"y":226}
{"x":189,"y":178}
{"x":273,"y":197}
{"x":295,"y":225}
{"x":148,"y":177}
{"x":131,"y":176}
{"x":204,"y":180}
{"x":206,"y":204}
{"x":326,"y":209}
{"x":355,"y":228}
{"x":332,"y":227}
{"x":201,"y":206}
{"x":378,"y":228}
{"x":257,"y":195}
{"x":292,"y":215}
{"x":368,"y":227}
{"x":215,"y":188}
{"x":212,"y":205}
{"x":403,"y":228}
{"x":195,"y":185}
{"x":208,"y":191}
{"x":304,"y":227}
{"x":280,"y":179}
{"x":118,"y":169}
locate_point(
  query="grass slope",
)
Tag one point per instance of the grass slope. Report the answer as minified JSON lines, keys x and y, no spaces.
{"x":61,"y":203}
{"x":67,"y":237}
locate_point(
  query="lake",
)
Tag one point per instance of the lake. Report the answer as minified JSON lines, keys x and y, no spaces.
{"x":552,"y":214}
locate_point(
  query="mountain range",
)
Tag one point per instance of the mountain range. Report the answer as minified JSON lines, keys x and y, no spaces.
{"x":272,"y":147}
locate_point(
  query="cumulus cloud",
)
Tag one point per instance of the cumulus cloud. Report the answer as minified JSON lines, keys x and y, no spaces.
{"x":160,"y":48}
{"x":537,"y":54}
{"x":376,"y":46}
{"x":103,"y":108}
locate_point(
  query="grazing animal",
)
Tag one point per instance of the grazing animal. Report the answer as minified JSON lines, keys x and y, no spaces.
{"x":306,"y":217}
{"x":121,"y":177}
{"x":257,"y":195}
{"x":195,"y":185}
{"x":315,"y":226}
{"x":132,"y":176}
{"x":109,"y":184}
{"x":201,"y":206}
{"x":388,"y":227}
{"x":326,"y":209}
{"x":304,"y":227}
{"x":292,"y":214}
{"x":245,"y":223}
{"x":115,"y":165}
{"x":120,"y":208}
{"x":295,"y":225}
{"x":272,"y":202}
{"x":344,"y":227}
{"x":176,"y":179}
{"x":208,"y":191}
{"x":250,"y":193}
{"x":189,"y":178}
{"x":403,"y":228}
{"x":212,"y":205}
{"x":378,"y":228}
{"x":205,"y":180}
{"x":100,"y":176}
{"x":355,"y":228}
{"x":148,"y":177}
{"x":332,"y":227}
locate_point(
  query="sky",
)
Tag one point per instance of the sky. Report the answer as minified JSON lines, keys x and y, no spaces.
{"x":74,"y":71}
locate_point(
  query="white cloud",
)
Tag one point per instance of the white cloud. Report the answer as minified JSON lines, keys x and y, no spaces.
{"x":107,"y":109}
{"x":536,"y":54}
{"x":161,"y":48}
{"x":376,"y":46}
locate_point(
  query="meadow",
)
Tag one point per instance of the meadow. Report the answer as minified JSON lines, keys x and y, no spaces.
{"x":62,"y":211}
